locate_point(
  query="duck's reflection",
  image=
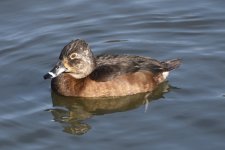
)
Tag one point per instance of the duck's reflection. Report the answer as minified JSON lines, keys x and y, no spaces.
{"x":72,"y":112}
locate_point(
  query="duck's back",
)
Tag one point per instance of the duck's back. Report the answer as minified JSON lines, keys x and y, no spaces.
{"x":111,"y":66}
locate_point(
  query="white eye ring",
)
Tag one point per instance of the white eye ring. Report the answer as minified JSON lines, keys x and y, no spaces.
{"x":73,"y":55}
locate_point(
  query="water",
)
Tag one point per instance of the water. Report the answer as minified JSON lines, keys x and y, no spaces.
{"x":187,"y":112}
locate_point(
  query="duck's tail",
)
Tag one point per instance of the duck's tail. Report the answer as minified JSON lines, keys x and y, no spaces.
{"x":171,"y":64}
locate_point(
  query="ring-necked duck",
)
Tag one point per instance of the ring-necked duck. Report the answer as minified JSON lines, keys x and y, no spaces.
{"x":79,"y":73}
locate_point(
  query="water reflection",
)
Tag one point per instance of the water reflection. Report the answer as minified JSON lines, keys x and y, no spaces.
{"x":72,"y":112}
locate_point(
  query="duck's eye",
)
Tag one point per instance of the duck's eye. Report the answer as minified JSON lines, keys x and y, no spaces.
{"x":73,"y":55}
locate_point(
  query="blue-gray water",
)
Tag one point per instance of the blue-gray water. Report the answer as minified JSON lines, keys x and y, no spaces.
{"x":187,"y":115}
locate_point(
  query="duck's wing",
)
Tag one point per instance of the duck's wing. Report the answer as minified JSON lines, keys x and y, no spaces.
{"x":108,"y":72}
{"x":111,"y":66}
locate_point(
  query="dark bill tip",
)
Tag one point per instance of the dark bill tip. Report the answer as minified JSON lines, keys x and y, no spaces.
{"x":47,"y":76}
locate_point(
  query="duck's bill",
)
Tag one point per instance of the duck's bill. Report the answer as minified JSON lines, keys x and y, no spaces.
{"x":57,"y":70}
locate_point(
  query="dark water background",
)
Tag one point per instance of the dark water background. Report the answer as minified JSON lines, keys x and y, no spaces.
{"x":188,"y":115}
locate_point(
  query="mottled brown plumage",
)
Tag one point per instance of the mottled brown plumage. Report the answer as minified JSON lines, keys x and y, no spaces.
{"x":79,"y":73}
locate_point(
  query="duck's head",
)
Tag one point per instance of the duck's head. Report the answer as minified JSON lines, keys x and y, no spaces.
{"x":76,"y":59}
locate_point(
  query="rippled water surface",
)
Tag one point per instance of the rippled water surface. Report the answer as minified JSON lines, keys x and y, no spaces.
{"x":186,"y":113}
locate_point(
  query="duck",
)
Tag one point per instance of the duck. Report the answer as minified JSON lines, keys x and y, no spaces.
{"x":79,"y":73}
